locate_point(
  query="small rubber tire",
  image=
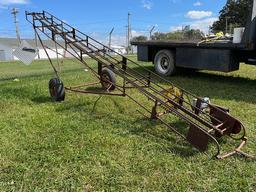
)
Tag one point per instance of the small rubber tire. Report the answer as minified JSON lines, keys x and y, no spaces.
{"x":108,"y":80}
{"x":165,"y":63}
{"x":57,"y":90}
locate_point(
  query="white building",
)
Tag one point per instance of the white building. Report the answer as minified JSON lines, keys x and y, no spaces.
{"x":8,"y":45}
{"x":119,"y":49}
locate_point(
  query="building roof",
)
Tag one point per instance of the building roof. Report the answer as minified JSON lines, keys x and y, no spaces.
{"x":13,"y":42}
{"x":117,"y":47}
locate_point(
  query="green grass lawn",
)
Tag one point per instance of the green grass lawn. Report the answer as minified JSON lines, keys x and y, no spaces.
{"x":70,"y":146}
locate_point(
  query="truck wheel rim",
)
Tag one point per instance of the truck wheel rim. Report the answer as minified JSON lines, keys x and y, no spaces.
{"x":164,"y":64}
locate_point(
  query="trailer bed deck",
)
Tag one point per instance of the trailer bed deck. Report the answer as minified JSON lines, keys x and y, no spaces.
{"x":191,"y":44}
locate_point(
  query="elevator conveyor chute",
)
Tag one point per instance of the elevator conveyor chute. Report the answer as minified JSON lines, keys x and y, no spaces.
{"x":207,"y":122}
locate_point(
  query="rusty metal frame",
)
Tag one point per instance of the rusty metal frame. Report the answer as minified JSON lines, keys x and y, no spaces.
{"x":208,"y":127}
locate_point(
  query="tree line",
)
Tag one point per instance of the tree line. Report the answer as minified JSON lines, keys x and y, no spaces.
{"x":234,"y":14}
{"x":191,"y":34}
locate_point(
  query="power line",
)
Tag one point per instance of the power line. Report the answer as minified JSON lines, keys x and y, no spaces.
{"x":99,"y":22}
{"x":150,"y":22}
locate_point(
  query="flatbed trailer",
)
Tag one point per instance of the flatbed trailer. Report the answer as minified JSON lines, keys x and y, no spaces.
{"x":167,"y":56}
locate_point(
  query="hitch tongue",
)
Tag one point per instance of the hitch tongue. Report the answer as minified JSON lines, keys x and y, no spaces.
{"x":237,"y":151}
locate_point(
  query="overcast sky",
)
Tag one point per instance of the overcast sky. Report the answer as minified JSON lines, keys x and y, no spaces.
{"x":97,"y":17}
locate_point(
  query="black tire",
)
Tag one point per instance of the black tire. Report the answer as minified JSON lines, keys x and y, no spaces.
{"x":57,"y":90}
{"x":165,"y":63}
{"x":108,"y":80}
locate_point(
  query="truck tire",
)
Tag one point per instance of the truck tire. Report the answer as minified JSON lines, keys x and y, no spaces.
{"x":165,"y":63}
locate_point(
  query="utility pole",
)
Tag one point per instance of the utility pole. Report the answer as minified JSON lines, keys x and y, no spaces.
{"x":15,"y":11}
{"x":110,"y":37}
{"x":128,"y":33}
{"x":127,"y":43}
{"x":231,"y":27}
{"x":227,"y":24}
{"x":150,"y":32}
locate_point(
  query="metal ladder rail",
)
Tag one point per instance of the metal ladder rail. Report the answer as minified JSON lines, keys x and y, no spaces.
{"x":89,"y":38}
{"x":96,"y":58}
{"x":104,"y":57}
{"x":184,"y":110}
{"x":48,"y":26}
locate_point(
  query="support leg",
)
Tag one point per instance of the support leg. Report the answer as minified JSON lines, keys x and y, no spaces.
{"x":99,"y":68}
{"x":154,"y":111}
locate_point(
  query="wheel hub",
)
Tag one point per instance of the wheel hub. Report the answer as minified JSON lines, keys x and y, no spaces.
{"x":164,"y":63}
{"x":106,"y":81}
